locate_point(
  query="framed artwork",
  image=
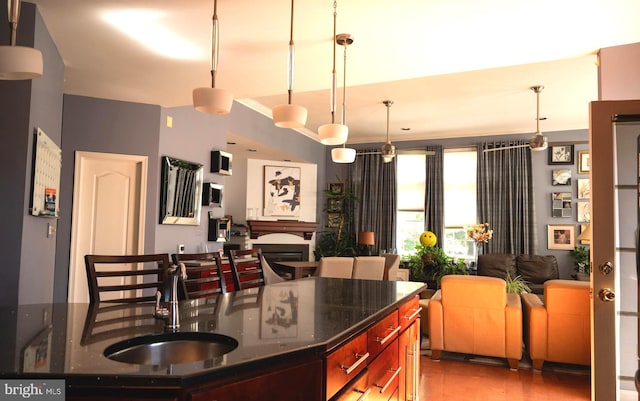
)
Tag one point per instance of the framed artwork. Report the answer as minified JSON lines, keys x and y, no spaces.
{"x":561,"y":236}
{"x":584,"y":188}
{"x":336,"y":188}
{"x":584,"y":212}
{"x":335,"y":205}
{"x":333,"y":220}
{"x":584,"y":163}
{"x":561,"y":154}
{"x":561,"y":204}
{"x":561,"y":177}
{"x":282,"y":191}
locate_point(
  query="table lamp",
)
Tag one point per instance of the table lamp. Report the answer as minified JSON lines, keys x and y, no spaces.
{"x":366,"y":238}
{"x":585,"y":235}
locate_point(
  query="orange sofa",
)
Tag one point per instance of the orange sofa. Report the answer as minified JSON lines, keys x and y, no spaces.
{"x":558,"y":328}
{"x":476,"y":315}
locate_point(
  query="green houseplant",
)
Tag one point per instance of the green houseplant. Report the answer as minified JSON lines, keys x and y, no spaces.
{"x":430,"y":264}
{"x":581,"y":262}
{"x":516,"y":285}
{"x":339,"y":237}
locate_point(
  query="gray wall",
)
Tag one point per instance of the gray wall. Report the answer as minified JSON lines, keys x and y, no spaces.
{"x":541,"y":182}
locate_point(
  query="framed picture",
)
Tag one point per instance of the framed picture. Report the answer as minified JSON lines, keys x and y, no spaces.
{"x":336,"y":188}
{"x":281,"y":191}
{"x":335,"y":205}
{"x":584,"y":212}
{"x":584,"y":163}
{"x":561,"y":154}
{"x":561,"y":204}
{"x":333,"y":220}
{"x":584,"y":188}
{"x":561,"y":236}
{"x":561,"y":177}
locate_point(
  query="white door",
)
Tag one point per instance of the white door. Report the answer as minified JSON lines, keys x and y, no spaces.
{"x":109,"y":196}
{"x":615,"y":196}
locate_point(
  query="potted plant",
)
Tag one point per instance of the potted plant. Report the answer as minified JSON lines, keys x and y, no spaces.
{"x":339,"y":238}
{"x":430,"y":264}
{"x":516,"y":285}
{"x":581,"y":262}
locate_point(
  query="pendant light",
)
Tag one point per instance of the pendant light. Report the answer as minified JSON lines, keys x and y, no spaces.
{"x":290,"y":115}
{"x":18,"y":62}
{"x":538,"y":141}
{"x":344,"y":154}
{"x":334,"y":134}
{"x":388,"y":149}
{"x":213,"y":100}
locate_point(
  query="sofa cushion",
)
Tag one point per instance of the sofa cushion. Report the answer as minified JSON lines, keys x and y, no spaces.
{"x":497,"y":265}
{"x":537,"y":269}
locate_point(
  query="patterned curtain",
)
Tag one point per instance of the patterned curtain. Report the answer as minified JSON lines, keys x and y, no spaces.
{"x":434,"y":193}
{"x":505,"y":197}
{"x":373,"y":182}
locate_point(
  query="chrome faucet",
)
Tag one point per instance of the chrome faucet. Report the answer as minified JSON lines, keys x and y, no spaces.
{"x":176,"y":273}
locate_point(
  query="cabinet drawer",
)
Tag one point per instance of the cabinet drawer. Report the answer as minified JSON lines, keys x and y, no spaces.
{"x":409,"y":312}
{"x":384,"y":374}
{"x":357,"y":390}
{"x":383,"y":333}
{"x":345,"y":363}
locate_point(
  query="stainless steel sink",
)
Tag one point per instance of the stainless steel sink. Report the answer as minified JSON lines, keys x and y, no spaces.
{"x":171,"y":348}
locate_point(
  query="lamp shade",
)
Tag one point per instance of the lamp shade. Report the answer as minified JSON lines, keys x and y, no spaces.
{"x":289,"y":116}
{"x":586,"y":234}
{"x":19,"y":62}
{"x":333,"y":134}
{"x":343,"y":155}
{"x":366,"y":238}
{"x":212,"y":100}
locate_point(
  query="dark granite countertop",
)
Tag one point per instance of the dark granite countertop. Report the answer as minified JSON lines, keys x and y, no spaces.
{"x":313,"y":316}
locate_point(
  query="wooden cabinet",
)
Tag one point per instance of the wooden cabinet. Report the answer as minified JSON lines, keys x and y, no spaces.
{"x":409,"y":350}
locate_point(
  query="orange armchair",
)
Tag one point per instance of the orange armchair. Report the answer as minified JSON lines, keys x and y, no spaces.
{"x":558,"y":329}
{"x":476,"y":315}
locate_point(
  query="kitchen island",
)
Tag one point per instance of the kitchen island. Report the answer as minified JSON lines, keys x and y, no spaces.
{"x":309,"y":339}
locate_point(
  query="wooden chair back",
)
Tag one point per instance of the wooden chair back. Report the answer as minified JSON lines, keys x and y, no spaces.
{"x":124,"y":278}
{"x":246,"y":267}
{"x":204,"y":275}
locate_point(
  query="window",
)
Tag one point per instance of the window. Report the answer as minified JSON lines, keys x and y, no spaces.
{"x":459,"y":201}
{"x":460,"y":209}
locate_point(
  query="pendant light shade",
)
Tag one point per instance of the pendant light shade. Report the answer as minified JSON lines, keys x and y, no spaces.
{"x":333,"y":134}
{"x":343,"y":155}
{"x":290,"y":115}
{"x":212,"y":100}
{"x":18,"y":62}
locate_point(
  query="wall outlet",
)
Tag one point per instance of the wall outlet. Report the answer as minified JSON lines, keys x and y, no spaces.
{"x":181,"y":248}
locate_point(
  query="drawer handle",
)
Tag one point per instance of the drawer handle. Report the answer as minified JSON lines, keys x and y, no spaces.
{"x":414,"y":314}
{"x":396,"y":372}
{"x":364,"y":394}
{"x":389,"y":336}
{"x":360,"y":359}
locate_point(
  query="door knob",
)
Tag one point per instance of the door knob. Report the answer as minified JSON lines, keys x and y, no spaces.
{"x":607,"y":295}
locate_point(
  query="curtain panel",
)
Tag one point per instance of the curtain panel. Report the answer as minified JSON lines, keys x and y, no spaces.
{"x":374,"y":184}
{"x":434,"y":193}
{"x":505,"y":197}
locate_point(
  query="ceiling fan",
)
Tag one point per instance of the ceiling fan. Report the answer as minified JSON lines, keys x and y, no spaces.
{"x":537,"y":142}
{"x":388,"y":150}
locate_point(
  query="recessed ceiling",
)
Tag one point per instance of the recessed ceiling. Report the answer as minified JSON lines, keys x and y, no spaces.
{"x":453,"y":68}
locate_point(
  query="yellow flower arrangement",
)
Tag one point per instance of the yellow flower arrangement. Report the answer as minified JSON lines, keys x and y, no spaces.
{"x":480,"y":232}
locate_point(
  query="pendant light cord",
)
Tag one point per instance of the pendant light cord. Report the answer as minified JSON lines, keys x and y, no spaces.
{"x":333,"y":71}
{"x":215,"y":44}
{"x":13,"y":12}
{"x":291,"y":57}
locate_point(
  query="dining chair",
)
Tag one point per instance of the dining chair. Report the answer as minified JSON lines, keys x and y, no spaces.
{"x":204,"y":275}
{"x":368,"y":267}
{"x":246,"y":268}
{"x":127,"y":278}
{"x":335,"y":267}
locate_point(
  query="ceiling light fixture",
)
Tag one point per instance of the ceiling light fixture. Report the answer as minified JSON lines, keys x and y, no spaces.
{"x":290,"y":115}
{"x":18,"y":62}
{"x":344,"y":154}
{"x":538,"y":142}
{"x":334,"y":134}
{"x":388,"y":149}
{"x":213,"y":100}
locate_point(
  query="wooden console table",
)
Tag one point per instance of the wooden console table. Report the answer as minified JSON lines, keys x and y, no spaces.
{"x":304,"y":229}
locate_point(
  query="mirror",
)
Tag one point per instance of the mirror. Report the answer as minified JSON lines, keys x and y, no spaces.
{"x":180,"y":191}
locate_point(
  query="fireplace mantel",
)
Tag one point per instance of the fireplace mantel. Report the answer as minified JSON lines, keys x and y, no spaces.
{"x":304,"y":229}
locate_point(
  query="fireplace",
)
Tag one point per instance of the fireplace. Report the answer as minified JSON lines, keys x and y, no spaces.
{"x":284,"y":252}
